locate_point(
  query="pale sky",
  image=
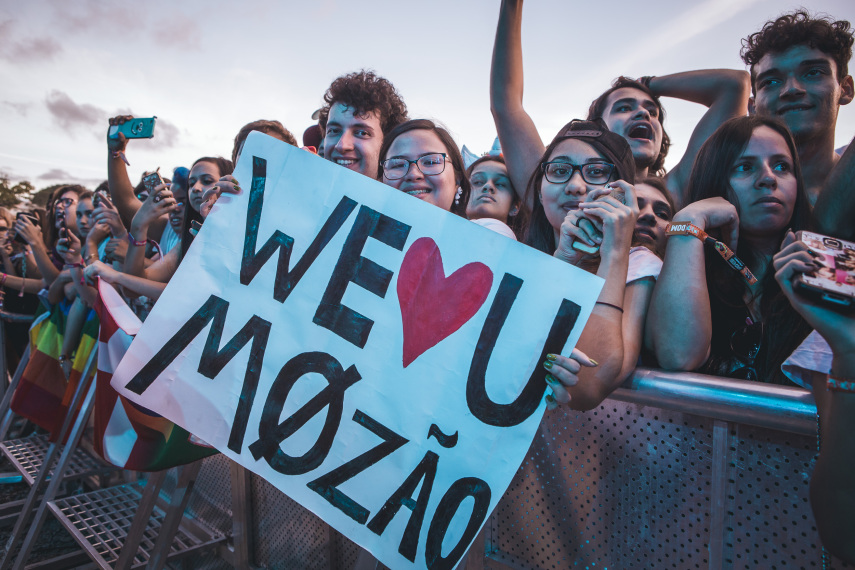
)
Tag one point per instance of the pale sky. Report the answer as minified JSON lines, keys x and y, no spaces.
{"x":207,"y":68}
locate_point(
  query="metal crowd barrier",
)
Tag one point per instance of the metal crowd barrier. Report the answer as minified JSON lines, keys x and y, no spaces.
{"x":675,"y":470}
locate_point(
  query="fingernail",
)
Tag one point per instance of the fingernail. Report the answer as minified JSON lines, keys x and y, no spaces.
{"x":813,"y":253}
{"x":550,"y":399}
{"x":179,"y":203}
{"x":547,"y":365}
{"x":551,"y":379}
{"x":551,"y":357}
{"x":594,"y":361}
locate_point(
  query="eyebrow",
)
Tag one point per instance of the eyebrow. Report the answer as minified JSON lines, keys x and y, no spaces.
{"x":804,"y":63}
{"x":774,"y":156}
{"x":587,"y":160}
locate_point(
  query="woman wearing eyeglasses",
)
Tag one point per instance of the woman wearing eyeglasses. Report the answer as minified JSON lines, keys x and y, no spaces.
{"x":712,"y":313}
{"x":582,"y":192}
{"x":420,"y":158}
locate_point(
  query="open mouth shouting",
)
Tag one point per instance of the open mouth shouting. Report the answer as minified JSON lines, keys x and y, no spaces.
{"x":642,"y":131}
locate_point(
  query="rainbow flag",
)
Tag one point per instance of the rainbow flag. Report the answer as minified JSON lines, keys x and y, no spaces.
{"x":44,"y":394}
{"x":127,"y":435}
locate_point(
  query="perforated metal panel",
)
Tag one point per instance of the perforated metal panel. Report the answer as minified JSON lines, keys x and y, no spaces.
{"x":626,"y":486}
{"x":289,"y":536}
{"x":27,"y":455}
{"x":100,"y":520}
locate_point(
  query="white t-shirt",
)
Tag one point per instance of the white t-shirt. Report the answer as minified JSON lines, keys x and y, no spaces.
{"x":642,"y":263}
{"x":813,"y":356}
{"x":169,"y":239}
{"x":497,"y":226}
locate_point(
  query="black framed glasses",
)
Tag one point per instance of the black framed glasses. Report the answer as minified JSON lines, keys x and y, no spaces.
{"x":430,"y":164}
{"x":67,"y":202}
{"x":745,"y":344}
{"x":559,"y":172}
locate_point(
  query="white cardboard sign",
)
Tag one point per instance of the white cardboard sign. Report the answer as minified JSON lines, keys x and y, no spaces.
{"x":372,"y":356}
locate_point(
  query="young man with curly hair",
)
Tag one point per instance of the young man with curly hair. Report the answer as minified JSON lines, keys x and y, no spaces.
{"x":360,"y":108}
{"x":799,"y":73}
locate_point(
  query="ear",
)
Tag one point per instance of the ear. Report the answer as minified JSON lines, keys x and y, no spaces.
{"x":847,"y":90}
{"x":751,"y":109}
{"x":514,"y":211}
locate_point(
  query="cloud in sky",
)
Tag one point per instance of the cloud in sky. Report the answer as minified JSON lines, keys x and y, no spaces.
{"x":26,"y":50}
{"x":60,"y":175}
{"x":20,"y":108}
{"x":70,"y":115}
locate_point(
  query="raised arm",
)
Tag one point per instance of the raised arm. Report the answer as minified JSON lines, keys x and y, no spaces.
{"x":679,"y":322}
{"x":835,"y":206}
{"x":724,"y":91}
{"x":121,"y":189}
{"x":522,"y":146}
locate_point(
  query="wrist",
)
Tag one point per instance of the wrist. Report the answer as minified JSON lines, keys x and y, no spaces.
{"x":691,"y":217}
{"x":137,"y":233}
{"x":843,"y":364}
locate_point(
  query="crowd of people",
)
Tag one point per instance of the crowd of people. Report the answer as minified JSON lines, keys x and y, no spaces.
{"x":699,"y":261}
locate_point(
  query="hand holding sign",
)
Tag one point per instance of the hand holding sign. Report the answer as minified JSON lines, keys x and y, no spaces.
{"x":403,"y":385}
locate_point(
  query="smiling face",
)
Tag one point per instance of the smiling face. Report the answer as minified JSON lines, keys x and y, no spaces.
{"x":634,"y":115}
{"x":558,"y":199}
{"x":800,"y":86}
{"x":438,"y":189}
{"x":83,"y":217}
{"x":353,"y":141}
{"x":492,"y":194}
{"x":654,"y":213}
{"x":202,"y":177}
{"x":764,"y":185}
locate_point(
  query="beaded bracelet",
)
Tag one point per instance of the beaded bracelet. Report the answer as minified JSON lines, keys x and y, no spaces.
{"x":840,"y":385}
{"x":73,"y":265}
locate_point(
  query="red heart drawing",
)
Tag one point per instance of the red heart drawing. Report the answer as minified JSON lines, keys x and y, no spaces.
{"x":434,"y":306}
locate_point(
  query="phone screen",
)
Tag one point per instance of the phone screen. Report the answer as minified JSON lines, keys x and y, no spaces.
{"x":837,"y":264}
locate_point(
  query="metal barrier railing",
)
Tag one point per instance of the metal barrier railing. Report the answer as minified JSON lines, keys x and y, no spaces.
{"x":782,"y":408}
{"x":675,"y":470}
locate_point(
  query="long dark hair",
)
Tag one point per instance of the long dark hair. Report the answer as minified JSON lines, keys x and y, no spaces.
{"x":458,"y":206}
{"x":538,"y":232}
{"x":225,"y":167}
{"x":783,"y":328}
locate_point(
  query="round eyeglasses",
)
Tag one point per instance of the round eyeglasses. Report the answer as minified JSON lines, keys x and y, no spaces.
{"x":592,"y":172}
{"x":429,"y":164}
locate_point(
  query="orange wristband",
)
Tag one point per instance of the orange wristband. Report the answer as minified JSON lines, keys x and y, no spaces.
{"x":687,"y":229}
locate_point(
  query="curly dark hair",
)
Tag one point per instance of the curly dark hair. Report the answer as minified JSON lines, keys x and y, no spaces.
{"x":833,"y":38}
{"x":365,"y":91}
{"x":272,"y":128}
{"x":598,"y":107}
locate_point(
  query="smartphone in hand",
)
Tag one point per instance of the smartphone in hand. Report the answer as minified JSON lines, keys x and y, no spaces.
{"x":134,"y":129}
{"x":833,"y":284}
